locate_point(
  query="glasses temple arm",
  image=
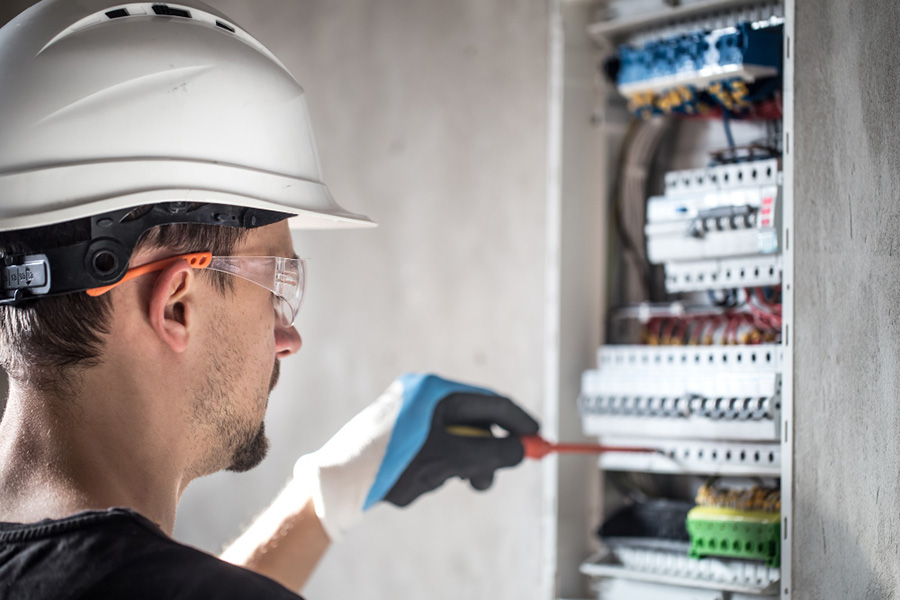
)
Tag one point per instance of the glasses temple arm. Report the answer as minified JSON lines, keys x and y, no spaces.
{"x":196,"y":260}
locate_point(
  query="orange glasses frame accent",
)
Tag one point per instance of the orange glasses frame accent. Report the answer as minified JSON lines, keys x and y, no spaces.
{"x":197,"y":260}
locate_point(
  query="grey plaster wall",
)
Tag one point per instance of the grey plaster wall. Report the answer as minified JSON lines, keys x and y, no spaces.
{"x":847,"y":422}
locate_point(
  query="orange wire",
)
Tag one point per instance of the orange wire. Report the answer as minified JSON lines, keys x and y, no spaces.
{"x":196,"y":260}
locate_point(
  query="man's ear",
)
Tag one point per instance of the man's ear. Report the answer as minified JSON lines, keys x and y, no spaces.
{"x":171,"y":309}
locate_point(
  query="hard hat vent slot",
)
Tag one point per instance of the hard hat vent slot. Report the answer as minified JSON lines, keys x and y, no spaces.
{"x":118,"y":13}
{"x":162,"y":9}
{"x":225,"y":26}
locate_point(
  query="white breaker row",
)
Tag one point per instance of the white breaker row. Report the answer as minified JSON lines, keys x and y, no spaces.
{"x":695,"y":457}
{"x":709,"y":409}
{"x":718,"y":227}
{"x":695,"y":392}
{"x":624,"y":589}
{"x":650,"y":572}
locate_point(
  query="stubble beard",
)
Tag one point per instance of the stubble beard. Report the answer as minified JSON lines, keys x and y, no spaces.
{"x":250,"y":452}
{"x":228,"y":430}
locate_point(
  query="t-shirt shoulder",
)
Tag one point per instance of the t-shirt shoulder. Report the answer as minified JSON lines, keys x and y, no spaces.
{"x":120,"y":554}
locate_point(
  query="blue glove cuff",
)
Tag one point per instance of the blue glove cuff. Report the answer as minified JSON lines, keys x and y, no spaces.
{"x":421,"y":394}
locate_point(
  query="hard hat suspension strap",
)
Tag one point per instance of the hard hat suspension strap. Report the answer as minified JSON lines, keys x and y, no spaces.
{"x":103,"y":259}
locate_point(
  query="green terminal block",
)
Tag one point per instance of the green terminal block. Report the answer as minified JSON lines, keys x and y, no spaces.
{"x":735,"y":533}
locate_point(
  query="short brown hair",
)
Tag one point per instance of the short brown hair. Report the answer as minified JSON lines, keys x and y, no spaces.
{"x":46,"y":341}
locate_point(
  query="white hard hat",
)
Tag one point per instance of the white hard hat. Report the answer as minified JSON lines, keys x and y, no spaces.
{"x":105,"y":107}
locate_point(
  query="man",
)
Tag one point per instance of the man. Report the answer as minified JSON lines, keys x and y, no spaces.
{"x":151,"y":158}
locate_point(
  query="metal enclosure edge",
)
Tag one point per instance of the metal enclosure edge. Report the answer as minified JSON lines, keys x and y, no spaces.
{"x":787,"y":390}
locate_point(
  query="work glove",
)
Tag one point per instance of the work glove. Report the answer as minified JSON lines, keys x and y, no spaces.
{"x":400,"y":447}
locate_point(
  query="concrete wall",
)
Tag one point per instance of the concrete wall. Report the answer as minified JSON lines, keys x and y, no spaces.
{"x":431,"y":118}
{"x":847,"y":424}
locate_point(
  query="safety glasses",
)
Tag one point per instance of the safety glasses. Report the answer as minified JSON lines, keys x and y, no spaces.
{"x":284,"y":277}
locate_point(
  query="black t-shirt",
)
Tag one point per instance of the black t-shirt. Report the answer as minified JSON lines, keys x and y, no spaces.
{"x":116,"y":554}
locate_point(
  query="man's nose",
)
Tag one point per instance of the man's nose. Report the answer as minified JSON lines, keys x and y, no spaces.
{"x":287,"y":341}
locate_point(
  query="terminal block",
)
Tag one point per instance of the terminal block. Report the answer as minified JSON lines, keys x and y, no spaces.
{"x":730,"y":67}
{"x":750,"y":534}
{"x":718,"y":227}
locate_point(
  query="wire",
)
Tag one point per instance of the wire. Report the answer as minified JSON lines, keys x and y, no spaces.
{"x":638,"y":149}
{"x":727,"y":300}
{"x":742,"y":315}
{"x":771,"y":316}
{"x":679,"y":331}
{"x":767,"y":296}
{"x":697,"y":335}
{"x":726,"y":124}
{"x":628,"y":243}
{"x":665,"y":337}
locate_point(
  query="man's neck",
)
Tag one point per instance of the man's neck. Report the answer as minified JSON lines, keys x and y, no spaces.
{"x":61,"y":456}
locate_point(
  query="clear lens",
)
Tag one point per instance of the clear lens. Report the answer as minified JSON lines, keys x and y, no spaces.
{"x":289,"y":284}
{"x":283,"y":311}
{"x":284,"y":277}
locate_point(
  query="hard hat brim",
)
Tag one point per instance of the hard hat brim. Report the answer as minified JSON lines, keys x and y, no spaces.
{"x":104,"y":186}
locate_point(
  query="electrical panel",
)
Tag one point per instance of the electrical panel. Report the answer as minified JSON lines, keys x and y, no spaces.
{"x":693,"y":361}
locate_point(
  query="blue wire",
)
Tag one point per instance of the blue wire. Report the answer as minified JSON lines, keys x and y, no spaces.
{"x":726,"y":122}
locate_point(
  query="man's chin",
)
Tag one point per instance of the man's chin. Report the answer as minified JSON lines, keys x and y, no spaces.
{"x":250,"y":453}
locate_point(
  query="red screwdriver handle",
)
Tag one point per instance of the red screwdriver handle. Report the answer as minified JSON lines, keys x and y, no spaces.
{"x":536,"y":446}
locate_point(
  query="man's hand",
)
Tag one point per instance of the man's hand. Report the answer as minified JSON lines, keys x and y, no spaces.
{"x":398,"y":448}
{"x":404,"y":445}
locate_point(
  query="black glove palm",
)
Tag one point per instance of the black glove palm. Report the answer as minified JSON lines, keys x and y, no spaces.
{"x":474,"y":457}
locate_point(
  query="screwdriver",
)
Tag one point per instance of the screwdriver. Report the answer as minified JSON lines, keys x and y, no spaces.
{"x":537,"y":447}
